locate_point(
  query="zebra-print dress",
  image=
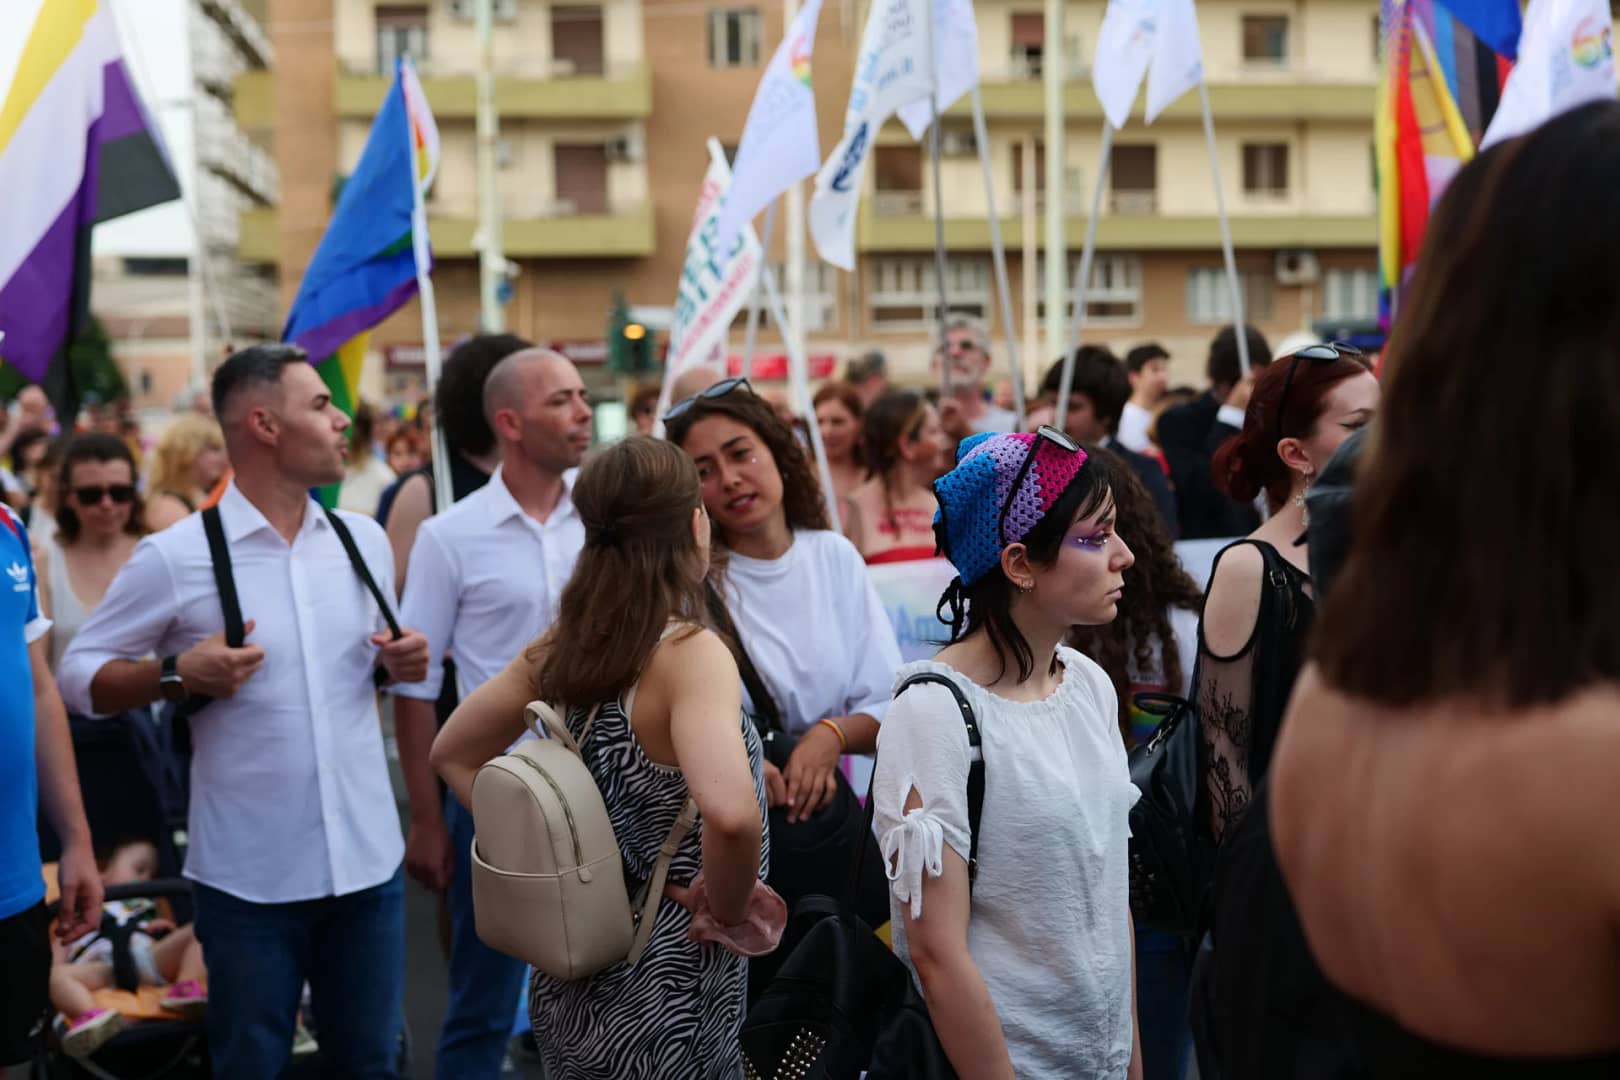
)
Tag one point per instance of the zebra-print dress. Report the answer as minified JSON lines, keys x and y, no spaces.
{"x":675,"y":1015}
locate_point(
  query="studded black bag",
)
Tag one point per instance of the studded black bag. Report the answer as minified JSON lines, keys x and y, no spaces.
{"x":1171,"y":858}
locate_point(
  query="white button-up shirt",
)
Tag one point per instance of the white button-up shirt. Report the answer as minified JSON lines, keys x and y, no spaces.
{"x":290,"y":795}
{"x":485,"y":579}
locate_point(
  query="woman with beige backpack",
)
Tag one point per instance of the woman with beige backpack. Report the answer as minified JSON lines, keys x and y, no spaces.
{"x":652,"y":702}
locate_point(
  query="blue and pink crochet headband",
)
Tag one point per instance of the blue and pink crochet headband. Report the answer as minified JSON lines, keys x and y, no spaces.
{"x":979,"y":512}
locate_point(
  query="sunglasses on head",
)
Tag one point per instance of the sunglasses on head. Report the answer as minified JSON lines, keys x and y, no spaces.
{"x":1050,"y":434}
{"x":90,"y":495}
{"x":718,"y":390}
{"x":1317,"y":354}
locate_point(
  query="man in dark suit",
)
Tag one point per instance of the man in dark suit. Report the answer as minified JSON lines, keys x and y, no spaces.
{"x":1097,"y":396}
{"x":1189,"y":435}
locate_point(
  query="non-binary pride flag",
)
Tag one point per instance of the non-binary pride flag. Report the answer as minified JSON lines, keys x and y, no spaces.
{"x":365,"y":267}
{"x":1444,"y":65}
{"x":76,"y":149}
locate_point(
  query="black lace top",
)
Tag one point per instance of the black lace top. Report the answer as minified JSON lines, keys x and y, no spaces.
{"x":1241,"y":698}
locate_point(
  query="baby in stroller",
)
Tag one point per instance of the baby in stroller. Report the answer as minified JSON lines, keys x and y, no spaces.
{"x":160,"y":954}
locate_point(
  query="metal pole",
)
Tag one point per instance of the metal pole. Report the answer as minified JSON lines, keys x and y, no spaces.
{"x":981,"y":139}
{"x":752,"y":335}
{"x":491,"y":262}
{"x":934,"y":148}
{"x":421,"y":249}
{"x":794,"y":228}
{"x":1083,"y":282}
{"x":1239,"y":316}
{"x":1057,"y":254}
{"x":799,"y":369}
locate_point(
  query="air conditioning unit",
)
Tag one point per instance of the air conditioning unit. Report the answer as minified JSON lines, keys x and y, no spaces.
{"x":958,"y":144}
{"x":630,"y":147}
{"x":1296,"y":266}
{"x":467,"y":10}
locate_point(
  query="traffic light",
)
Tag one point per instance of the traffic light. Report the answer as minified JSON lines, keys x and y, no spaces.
{"x":630,"y":345}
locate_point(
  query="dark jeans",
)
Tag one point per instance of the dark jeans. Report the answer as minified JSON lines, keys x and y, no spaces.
{"x":25,"y":971}
{"x":351,"y":949}
{"x":1162,"y":974}
{"x":484,"y":984}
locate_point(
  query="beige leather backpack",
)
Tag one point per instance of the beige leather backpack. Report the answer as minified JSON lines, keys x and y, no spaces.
{"x":547,"y":877}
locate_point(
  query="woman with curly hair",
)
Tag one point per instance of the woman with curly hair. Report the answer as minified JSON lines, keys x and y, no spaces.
{"x":1151,"y":645}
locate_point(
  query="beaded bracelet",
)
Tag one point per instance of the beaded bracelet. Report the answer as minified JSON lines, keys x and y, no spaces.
{"x":843,"y":740}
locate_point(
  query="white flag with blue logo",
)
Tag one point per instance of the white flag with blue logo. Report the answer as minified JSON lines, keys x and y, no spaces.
{"x":956,"y":63}
{"x":1566,"y":58}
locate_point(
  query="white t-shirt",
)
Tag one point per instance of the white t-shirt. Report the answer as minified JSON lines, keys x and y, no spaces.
{"x":363,"y":486}
{"x":814,"y":628}
{"x":1133,"y":428}
{"x":995,"y":418}
{"x":1184,"y":628}
{"x":1049,"y":923}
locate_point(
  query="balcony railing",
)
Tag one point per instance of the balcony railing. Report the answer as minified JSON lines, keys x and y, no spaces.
{"x":897,"y":203}
{"x":1133,"y":203}
{"x":541,"y":68}
{"x":1020,"y":67}
{"x":529,"y":207}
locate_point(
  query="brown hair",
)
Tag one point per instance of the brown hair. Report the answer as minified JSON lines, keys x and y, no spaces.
{"x":1154,"y":584}
{"x":94,"y":446}
{"x":1248,"y":463}
{"x":1485,"y":522}
{"x":894,"y":415}
{"x":640,"y":568}
{"x":801,"y":488}
{"x":844,"y":393}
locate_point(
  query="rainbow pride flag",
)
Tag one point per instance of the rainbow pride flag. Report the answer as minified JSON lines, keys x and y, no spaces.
{"x":367,"y":263}
{"x":1444,"y":66}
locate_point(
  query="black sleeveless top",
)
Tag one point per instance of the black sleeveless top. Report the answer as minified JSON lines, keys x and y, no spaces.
{"x":1393,"y":1053}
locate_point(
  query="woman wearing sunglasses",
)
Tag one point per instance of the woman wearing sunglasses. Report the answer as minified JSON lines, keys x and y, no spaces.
{"x":1251,"y":645}
{"x":99,"y":521}
{"x":1025,"y":963}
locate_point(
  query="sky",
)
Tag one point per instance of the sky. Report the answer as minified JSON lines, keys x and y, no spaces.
{"x":158,"y":61}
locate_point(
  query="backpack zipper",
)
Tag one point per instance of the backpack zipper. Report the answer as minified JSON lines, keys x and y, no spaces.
{"x":568,"y":813}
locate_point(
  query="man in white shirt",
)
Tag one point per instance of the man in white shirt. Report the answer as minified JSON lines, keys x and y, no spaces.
{"x":295,"y":844}
{"x":1148,"y":368}
{"x":486,"y":578}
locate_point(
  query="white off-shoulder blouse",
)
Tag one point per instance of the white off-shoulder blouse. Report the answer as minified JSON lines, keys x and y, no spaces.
{"x":1049,"y":922}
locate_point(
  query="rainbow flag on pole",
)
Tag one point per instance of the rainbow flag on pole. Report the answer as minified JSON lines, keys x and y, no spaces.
{"x":366,"y":266}
{"x":1444,"y":65}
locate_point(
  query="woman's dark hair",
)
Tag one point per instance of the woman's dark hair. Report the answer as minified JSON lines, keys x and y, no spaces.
{"x":24,"y":442}
{"x":1485,"y":520}
{"x":1248,"y":463}
{"x":801,"y":488}
{"x":97,"y":448}
{"x":639,"y":569}
{"x":892,"y":416}
{"x":844,"y":393}
{"x":458,"y":400}
{"x":987,"y":603}
{"x":1154,"y":584}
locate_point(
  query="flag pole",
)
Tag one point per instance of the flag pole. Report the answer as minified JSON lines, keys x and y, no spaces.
{"x":935,"y":148}
{"x":759,"y":291}
{"x":981,"y":140}
{"x":422,"y":252}
{"x":799,"y":370}
{"x":1239,"y":316}
{"x":1083,"y":281}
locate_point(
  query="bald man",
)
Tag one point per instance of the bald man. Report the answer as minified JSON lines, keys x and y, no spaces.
{"x":693,"y":381}
{"x":486,"y":578}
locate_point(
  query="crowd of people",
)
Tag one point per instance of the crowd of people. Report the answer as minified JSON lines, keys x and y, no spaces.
{"x":1415,"y":602}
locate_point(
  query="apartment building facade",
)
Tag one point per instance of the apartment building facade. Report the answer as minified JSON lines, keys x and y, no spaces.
{"x":605,"y":108}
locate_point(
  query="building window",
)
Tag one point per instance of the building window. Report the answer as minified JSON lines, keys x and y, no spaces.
{"x":903,"y":294}
{"x":820,"y":299}
{"x":1209,"y":296}
{"x":1350,"y":294}
{"x":1265,"y":169}
{"x":734,"y":37}
{"x":576,"y":40}
{"x":400,"y":30}
{"x":1133,"y":177}
{"x":156,"y":266}
{"x":1265,"y":39}
{"x":897,"y":181}
{"x":1114,"y":294}
{"x":1028,"y":44}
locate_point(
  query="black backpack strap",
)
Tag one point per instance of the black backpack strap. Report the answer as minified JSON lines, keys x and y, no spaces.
{"x":345,"y":537}
{"x":975,"y":784}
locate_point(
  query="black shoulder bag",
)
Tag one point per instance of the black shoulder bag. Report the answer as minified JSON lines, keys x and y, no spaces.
{"x":219,"y":554}
{"x":843,"y":1004}
{"x":1171,"y":857}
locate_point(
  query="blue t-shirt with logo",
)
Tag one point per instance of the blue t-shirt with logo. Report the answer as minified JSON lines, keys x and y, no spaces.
{"x":21,"y":886}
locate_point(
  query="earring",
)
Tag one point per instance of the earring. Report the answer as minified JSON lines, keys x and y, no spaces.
{"x":1299,"y":500}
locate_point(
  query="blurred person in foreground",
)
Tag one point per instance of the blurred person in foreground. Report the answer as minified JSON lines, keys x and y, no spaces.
{"x":868,"y":374}
{"x":1458,"y":724}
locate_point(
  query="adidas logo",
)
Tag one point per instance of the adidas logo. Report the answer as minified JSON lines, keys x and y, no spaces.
{"x":19,"y":576}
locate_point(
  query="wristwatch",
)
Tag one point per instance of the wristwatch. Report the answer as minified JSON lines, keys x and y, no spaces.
{"x":173,"y":688}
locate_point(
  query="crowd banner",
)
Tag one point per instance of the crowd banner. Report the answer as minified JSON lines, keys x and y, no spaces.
{"x":715,"y":282}
{"x":891,"y":70}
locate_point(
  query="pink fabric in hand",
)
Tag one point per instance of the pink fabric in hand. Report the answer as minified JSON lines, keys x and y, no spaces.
{"x":760,"y":930}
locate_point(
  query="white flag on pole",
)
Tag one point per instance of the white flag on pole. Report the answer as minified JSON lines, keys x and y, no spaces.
{"x":715,"y":281}
{"x":890,"y":71}
{"x":956,"y":63}
{"x":780,"y":145}
{"x":1566,"y":58}
{"x":1178,"y":58}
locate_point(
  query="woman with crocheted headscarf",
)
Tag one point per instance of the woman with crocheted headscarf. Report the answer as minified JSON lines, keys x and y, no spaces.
{"x":1025,"y":963}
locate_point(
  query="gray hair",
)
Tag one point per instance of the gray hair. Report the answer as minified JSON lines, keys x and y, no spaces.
{"x":973,"y":325}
